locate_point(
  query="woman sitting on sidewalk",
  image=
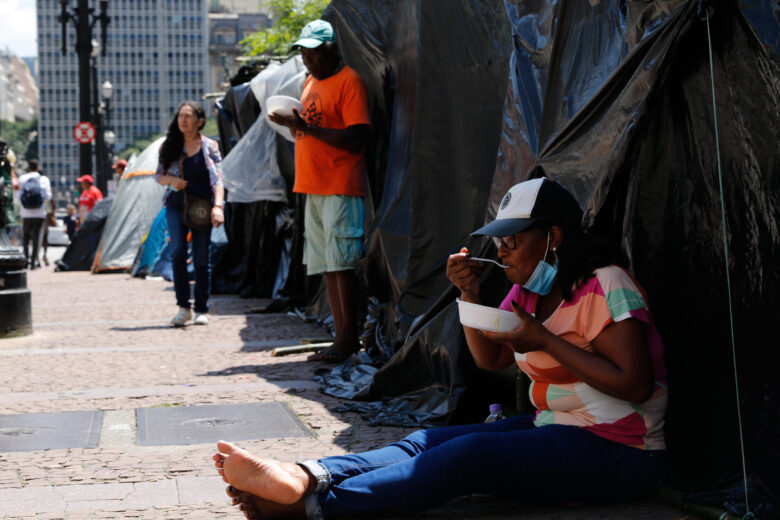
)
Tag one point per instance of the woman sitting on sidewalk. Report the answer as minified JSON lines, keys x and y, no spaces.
{"x":588,"y":344}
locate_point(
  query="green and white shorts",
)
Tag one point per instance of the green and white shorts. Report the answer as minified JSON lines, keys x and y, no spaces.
{"x":333,"y":232}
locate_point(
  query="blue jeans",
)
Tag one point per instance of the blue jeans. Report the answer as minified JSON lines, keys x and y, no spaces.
{"x":508,"y":458}
{"x":201,"y":240}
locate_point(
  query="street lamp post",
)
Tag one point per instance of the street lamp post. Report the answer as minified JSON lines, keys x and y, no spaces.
{"x":83,"y":20}
{"x":109,"y":137}
{"x":101,"y":172}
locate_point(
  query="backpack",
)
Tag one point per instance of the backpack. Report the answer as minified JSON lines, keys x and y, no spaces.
{"x":32,"y":195}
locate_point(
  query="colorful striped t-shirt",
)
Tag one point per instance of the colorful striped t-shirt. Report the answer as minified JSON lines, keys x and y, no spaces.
{"x":560,"y":397}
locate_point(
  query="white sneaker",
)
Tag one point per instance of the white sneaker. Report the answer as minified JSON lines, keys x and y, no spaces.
{"x":201,"y":319}
{"x":181,"y":318}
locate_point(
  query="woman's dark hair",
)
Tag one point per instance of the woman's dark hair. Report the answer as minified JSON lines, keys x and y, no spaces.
{"x":579,"y":254}
{"x":171,"y":148}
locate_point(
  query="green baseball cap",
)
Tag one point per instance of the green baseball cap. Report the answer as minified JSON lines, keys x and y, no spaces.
{"x":315,"y":34}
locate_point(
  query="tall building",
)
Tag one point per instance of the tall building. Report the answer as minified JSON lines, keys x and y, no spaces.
{"x":18,"y":91}
{"x":156,"y":57}
{"x":226,"y":30}
{"x":238,"y":6}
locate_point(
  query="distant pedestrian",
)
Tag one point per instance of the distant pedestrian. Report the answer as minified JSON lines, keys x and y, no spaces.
{"x":191,"y":167}
{"x":35,"y":191}
{"x":71,"y":221}
{"x":119,"y":168}
{"x":90,"y":195}
{"x":8,"y":183}
{"x":51,"y":221}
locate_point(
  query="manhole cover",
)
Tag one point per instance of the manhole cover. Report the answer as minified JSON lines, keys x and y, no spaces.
{"x":206,"y":424}
{"x":212,"y":422}
{"x":50,"y":431}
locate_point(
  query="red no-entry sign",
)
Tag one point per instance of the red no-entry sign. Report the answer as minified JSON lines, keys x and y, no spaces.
{"x":84,"y":132}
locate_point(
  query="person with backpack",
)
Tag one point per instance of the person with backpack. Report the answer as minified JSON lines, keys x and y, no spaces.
{"x":34,"y":191}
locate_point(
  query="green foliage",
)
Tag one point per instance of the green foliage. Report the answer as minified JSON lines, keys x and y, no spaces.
{"x":289,"y":18}
{"x":210,"y":129}
{"x":20,"y":137}
{"x":138,"y":146}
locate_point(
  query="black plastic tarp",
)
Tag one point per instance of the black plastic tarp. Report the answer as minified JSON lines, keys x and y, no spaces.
{"x":436,"y":72}
{"x":618,"y":106}
{"x":614,"y":100}
{"x":80,"y":253}
{"x":236,"y":112}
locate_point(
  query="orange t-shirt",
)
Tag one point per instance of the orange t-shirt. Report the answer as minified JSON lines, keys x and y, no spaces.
{"x":339,"y":101}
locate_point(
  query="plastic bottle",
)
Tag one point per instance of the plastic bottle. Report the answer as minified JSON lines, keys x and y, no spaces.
{"x":496,"y":413}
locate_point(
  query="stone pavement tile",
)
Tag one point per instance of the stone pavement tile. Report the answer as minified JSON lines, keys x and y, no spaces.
{"x":86,"y":492}
{"x":150,"y":494}
{"x":30,"y":500}
{"x":87,"y":508}
{"x":197,"y":490}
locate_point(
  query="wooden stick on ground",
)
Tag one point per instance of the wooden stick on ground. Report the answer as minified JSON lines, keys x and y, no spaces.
{"x":297,"y":349}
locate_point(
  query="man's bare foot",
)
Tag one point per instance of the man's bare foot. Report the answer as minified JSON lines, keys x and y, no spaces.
{"x":336,"y":353}
{"x":280,"y":482}
{"x":255,"y":508}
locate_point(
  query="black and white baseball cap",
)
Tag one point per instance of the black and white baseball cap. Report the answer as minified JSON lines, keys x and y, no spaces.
{"x":529,"y":202}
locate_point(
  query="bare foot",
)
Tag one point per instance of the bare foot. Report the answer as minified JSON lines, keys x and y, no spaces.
{"x":255,"y":508}
{"x":280,"y":482}
{"x":336,"y":353}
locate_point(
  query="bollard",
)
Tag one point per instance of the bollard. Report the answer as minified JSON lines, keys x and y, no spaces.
{"x":15,"y":300}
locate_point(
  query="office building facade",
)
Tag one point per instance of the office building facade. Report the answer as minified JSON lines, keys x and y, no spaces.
{"x":18,"y":91}
{"x":226,"y":30}
{"x":156,"y":57}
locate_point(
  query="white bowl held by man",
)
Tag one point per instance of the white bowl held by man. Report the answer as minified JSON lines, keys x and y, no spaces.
{"x":282,"y":106}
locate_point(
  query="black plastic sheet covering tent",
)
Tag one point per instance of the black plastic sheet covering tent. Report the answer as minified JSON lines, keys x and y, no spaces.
{"x":436,"y":72}
{"x":237,"y":111}
{"x":80,"y":254}
{"x":613,"y":99}
{"x":258,"y":225}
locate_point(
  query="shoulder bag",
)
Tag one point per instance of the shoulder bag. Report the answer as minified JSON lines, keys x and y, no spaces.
{"x":197,"y":211}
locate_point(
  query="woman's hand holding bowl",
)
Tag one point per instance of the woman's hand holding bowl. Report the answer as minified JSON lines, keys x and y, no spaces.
{"x":531,"y":335}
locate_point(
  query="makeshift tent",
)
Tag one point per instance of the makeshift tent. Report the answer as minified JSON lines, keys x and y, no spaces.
{"x":136,"y":204}
{"x":80,"y":254}
{"x":151,"y":248}
{"x":258,"y":178}
{"x":154,"y":254}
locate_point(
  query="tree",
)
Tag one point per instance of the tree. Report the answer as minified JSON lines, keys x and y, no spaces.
{"x":289,"y":18}
{"x":138,"y":146}
{"x":22,"y":137}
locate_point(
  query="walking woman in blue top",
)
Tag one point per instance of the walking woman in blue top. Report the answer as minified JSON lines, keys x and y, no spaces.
{"x":191,"y":163}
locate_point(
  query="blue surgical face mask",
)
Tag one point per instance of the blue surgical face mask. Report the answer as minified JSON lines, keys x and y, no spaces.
{"x":543,"y":277}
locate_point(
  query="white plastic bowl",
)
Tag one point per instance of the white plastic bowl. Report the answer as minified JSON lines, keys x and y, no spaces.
{"x":283,"y":106}
{"x":486,"y":318}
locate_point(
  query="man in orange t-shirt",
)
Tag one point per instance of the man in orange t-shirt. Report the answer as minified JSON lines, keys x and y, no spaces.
{"x":330,"y":135}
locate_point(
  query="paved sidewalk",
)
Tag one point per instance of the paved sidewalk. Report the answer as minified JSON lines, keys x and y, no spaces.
{"x":101,"y":342}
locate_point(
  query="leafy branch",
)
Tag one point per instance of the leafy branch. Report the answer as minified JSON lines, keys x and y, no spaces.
{"x":289,"y":18}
